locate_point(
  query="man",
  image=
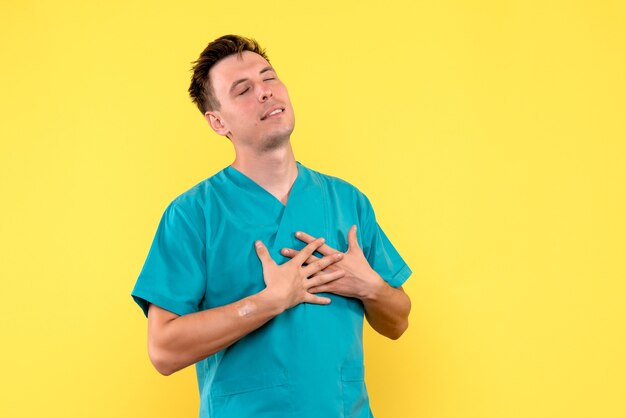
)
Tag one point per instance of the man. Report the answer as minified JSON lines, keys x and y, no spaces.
{"x":261,"y":274}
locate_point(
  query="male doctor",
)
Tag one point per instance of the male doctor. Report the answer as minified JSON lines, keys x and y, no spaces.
{"x":261,"y":274}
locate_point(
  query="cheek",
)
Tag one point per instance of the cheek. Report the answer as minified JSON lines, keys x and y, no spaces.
{"x":284,"y":93}
{"x":241,"y":117}
{"x":289,"y":105}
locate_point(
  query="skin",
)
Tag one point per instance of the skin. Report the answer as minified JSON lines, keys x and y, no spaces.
{"x":262,"y":147}
{"x":175,"y":342}
{"x":248,"y":89}
{"x":386,"y":308}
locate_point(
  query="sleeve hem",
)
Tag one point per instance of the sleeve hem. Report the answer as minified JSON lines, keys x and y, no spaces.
{"x":144,"y":299}
{"x":400,"y":277}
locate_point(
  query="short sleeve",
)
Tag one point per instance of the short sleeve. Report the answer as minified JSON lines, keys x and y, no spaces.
{"x":378,"y":250}
{"x":173,"y":276}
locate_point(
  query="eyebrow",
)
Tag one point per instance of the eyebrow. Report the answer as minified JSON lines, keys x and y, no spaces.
{"x":236,"y":83}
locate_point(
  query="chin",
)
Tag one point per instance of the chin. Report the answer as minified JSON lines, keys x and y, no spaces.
{"x":277,"y":139}
{"x":274,"y":142}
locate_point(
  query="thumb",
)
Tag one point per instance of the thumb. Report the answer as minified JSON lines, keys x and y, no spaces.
{"x":262,"y":253}
{"x":353,"y":243}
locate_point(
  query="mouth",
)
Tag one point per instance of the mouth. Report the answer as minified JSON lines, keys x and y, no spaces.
{"x":273,"y":112}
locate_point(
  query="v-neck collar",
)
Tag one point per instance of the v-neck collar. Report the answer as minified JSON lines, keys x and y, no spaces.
{"x":245,"y":182}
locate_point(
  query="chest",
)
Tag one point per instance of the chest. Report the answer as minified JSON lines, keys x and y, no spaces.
{"x":233,"y":268}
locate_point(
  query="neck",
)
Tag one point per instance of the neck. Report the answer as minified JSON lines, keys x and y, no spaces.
{"x":274,"y":170}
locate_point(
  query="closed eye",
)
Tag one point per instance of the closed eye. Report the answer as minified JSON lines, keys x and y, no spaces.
{"x":247,"y":88}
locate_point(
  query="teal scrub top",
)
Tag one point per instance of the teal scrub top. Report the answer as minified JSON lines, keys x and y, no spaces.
{"x":307,"y":361}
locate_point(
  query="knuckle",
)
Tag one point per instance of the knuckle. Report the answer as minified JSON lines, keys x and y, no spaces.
{"x":328,"y":261}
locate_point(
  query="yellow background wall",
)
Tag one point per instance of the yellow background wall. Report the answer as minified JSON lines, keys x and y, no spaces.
{"x":489,"y":135}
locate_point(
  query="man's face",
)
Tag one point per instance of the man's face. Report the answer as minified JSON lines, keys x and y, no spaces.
{"x":255,"y":110}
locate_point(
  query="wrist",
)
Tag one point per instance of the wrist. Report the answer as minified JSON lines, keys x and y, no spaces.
{"x":376,"y":288}
{"x":271,"y":301}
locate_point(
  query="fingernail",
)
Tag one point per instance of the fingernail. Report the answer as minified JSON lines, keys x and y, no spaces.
{"x":338,"y":256}
{"x":257,"y":244}
{"x":322,"y":240}
{"x":285,"y":251}
{"x":298,"y":233}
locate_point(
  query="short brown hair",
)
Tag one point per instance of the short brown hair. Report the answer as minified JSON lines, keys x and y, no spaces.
{"x":200,"y":90}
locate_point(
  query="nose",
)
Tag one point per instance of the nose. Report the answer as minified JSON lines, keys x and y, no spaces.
{"x":265,"y":93}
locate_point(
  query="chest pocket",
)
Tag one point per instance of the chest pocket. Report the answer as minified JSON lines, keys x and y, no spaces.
{"x":266,"y":395}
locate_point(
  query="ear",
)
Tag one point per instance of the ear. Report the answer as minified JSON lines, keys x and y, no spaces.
{"x":216,"y":122}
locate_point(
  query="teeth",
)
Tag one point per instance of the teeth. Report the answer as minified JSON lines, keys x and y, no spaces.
{"x":275,"y":112}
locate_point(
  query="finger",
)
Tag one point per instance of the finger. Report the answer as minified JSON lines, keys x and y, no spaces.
{"x":290,"y":252}
{"x":324,"y":249}
{"x":325,"y":288}
{"x":307,"y":251}
{"x":262,"y":253}
{"x":318,"y":300}
{"x":324,"y":278}
{"x":353,"y":243}
{"x":321,"y":264}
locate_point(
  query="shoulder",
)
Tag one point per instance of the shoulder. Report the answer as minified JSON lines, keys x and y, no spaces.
{"x":331,"y":182}
{"x":340,"y":187}
{"x":195,"y":202}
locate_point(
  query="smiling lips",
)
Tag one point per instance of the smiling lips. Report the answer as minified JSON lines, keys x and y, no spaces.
{"x":273,"y":112}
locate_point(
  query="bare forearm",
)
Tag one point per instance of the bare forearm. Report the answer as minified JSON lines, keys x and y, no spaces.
{"x":181,"y":341}
{"x":387,"y":310}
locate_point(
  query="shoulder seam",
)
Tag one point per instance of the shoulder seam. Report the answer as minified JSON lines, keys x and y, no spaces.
{"x":193,"y":225}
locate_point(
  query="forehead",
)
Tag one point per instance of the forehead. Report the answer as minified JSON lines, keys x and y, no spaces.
{"x":235,"y":67}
